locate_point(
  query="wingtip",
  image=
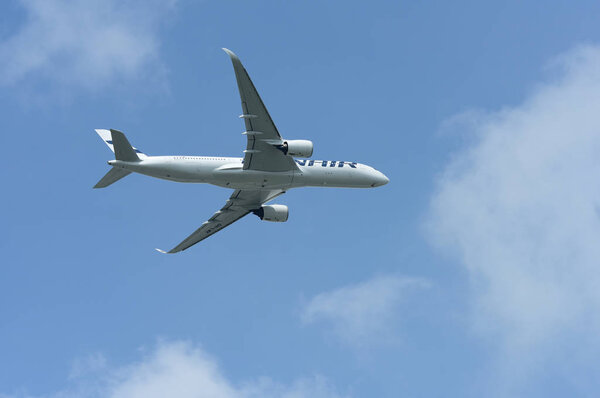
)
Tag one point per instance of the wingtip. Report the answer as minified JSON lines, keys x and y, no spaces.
{"x":160,"y":250}
{"x":230,"y":53}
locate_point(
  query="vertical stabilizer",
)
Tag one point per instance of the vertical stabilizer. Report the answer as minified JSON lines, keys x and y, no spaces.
{"x":107,"y":137}
{"x":123,"y":149}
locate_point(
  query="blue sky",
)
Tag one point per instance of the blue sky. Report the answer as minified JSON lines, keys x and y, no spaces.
{"x":474,"y":272}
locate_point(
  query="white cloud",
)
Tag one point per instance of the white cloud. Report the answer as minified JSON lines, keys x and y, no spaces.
{"x":177,"y":369}
{"x":520,"y":209}
{"x":364,"y":313}
{"x":85,"y":43}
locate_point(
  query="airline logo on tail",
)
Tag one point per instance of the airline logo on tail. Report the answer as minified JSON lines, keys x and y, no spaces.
{"x":107,"y":137}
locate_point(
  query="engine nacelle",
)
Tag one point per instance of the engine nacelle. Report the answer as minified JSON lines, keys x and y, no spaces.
{"x":274,"y":213}
{"x":298,"y":148}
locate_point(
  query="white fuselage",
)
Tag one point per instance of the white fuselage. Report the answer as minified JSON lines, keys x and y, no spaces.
{"x":229,"y":173}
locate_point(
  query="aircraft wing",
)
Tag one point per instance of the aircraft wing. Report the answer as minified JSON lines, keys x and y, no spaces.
{"x":240,"y":203}
{"x":260,"y":153}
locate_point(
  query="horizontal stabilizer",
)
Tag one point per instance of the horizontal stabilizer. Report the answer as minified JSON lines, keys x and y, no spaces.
{"x":111,"y":177}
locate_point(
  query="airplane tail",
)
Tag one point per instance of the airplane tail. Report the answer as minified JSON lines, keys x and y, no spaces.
{"x":118,"y":143}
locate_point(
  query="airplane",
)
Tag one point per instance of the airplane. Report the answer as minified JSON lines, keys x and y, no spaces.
{"x":268,"y":169}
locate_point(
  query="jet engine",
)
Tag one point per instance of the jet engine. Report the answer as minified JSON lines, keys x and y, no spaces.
{"x":297,"y":148}
{"x":274,"y":213}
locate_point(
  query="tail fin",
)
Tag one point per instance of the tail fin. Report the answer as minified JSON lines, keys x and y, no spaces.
{"x":113,"y":175}
{"x":123,"y":149}
{"x":117,"y":142}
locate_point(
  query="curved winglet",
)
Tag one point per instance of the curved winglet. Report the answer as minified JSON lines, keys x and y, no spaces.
{"x":231,"y":54}
{"x":161,"y":251}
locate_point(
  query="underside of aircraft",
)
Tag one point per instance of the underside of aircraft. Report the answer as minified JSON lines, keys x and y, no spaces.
{"x":270,"y":166}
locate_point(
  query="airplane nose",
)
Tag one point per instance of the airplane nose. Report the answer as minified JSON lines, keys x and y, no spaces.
{"x":380,"y":179}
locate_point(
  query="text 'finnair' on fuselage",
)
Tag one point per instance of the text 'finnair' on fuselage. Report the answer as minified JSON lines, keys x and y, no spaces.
{"x":325,"y":163}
